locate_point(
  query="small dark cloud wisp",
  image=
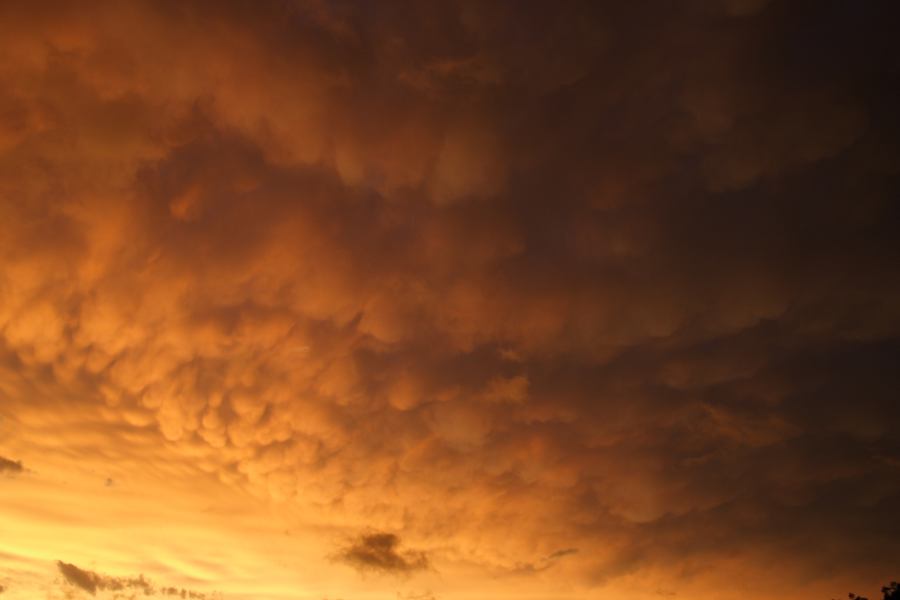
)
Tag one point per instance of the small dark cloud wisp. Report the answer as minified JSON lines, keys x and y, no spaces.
{"x":13,"y":467}
{"x":382,"y":552}
{"x":560,"y":553}
{"x":545,"y":563}
{"x":86,"y":580}
{"x":91,"y":582}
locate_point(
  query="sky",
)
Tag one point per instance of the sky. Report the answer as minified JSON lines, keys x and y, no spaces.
{"x":451,"y":300}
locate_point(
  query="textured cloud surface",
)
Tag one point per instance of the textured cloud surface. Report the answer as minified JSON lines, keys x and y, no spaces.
{"x":576,"y":299}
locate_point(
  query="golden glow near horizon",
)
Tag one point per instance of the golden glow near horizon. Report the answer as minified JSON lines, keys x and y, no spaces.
{"x":457,"y":300}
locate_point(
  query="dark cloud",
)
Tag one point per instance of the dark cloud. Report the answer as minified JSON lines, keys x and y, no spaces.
{"x":561,"y":553}
{"x":12,"y":467}
{"x":92,"y":582}
{"x":382,"y":552}
{"x":86,"y":580}
{"x":545,"y":563}
{"x":623,"y":274}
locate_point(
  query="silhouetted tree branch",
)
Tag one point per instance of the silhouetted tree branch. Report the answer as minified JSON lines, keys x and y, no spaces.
{"x":890,"y":592}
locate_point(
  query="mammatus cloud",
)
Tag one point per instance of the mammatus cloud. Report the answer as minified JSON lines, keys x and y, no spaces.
{"x":92,"y":582}
{"x":507,"y":277}
{"x":12,"y":467}
{"x":382,"y":552}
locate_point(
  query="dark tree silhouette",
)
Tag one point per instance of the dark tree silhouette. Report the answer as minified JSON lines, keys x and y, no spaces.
{"x":890,"y":592}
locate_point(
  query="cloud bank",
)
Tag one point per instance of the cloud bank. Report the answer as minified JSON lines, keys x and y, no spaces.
{"x":503,"y":278}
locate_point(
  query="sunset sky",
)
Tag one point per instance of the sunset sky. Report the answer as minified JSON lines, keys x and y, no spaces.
{"x":449,"y":299}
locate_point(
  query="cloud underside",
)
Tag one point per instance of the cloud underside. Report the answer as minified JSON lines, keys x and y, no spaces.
{"x":506,"y":278}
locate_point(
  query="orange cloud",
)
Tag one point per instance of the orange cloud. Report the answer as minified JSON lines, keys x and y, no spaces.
{"x":508,"y":280}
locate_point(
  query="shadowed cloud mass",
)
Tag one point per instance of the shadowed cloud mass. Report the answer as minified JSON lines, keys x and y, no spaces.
{"x":92,"y":582}
{"x":381,"y":552}
{"x":12,"y":467}
{"x":503,"y":277}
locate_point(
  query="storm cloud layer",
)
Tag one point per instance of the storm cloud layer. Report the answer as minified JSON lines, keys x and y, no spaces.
{"x":507,"y":279}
